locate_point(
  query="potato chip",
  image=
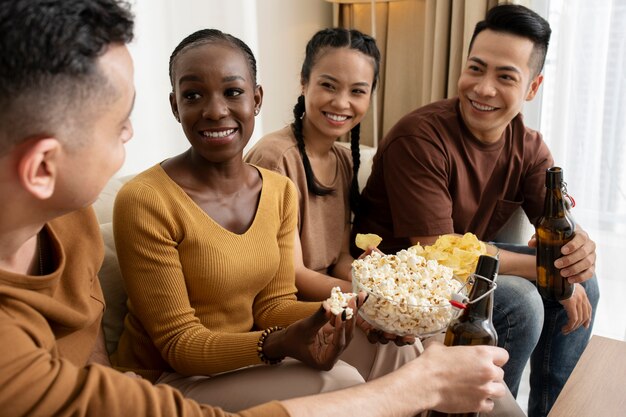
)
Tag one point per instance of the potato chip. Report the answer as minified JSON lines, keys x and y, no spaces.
{"x":457,"y":252}
{"x":364,"y":241}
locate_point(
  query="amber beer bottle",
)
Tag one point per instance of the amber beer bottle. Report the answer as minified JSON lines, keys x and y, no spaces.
{"x":554,"y":229}
{"x":475,"y":325}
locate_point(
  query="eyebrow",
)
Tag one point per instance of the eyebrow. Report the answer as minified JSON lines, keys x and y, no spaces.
{"x":500,"y":68}
{"x":330,"y":77}
{"x":192,"y":78}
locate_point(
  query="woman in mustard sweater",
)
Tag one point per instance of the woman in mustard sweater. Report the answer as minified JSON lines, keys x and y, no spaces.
{"x":205,"y":244}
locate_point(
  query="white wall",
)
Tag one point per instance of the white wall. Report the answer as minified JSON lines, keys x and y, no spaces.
{"x":276,"y":31}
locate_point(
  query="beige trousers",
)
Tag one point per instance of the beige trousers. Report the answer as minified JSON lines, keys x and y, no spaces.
{"x":247,"y":387}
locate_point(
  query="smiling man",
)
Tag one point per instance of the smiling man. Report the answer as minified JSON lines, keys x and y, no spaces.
{"x":465,"y":165}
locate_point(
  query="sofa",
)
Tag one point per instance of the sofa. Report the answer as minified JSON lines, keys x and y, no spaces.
{"x":517,"y":230}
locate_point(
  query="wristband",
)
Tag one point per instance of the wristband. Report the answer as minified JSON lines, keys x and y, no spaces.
{"x":261,"y":342}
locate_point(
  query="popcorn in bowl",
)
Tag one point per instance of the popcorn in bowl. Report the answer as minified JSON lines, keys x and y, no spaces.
{"x":408,"y":295}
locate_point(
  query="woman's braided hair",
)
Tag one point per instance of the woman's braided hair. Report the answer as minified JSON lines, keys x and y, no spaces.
{"x":322,"y":40}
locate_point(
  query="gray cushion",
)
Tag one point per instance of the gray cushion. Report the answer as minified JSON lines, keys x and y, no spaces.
{"x":113,"y":288}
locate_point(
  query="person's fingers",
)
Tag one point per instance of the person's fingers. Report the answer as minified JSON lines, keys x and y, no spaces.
{"x":499,"y":356}
{"x":583,"y":276}
{"x":572,"y":315}
{"x":372,"y":335}
{"x":339,"y":335}
{"x":577,"y":268}
{"x":361,"y":298}
{"x":486,"y":405}
{"x":579,"y":242}
{"x":351,"y":322}
{"x":389,"y":336}
{"x":404,"y":340}
{"x":589,"y":313}
{"x":320,"y":318}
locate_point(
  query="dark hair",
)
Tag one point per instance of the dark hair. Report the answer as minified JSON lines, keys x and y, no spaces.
{"x":319,"y":43}
{"x":521,"y":21}
{"x":204,"y":36}
{"x":48,"y":61}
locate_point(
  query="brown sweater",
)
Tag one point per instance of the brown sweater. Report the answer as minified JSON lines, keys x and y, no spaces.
{"x":48,"y":327}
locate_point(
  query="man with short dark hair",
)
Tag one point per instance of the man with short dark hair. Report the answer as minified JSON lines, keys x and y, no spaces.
{"x":465,"y":165}
{"x":66,"y":93}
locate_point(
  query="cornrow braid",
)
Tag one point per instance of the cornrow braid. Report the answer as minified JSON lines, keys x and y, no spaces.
{"x":311,"y":182}
{"x":355,"y":136}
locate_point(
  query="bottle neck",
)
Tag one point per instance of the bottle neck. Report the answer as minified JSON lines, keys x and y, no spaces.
{"x":554,"y":204}
{"x":483,"y":308}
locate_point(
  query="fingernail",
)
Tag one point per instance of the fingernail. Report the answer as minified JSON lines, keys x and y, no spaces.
{"x":344,"y":315}
{"x":558,"y":263}
{"x":365,"y":299}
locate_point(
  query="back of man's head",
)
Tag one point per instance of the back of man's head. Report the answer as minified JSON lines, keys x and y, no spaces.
{"x":48,"y":62}
{"x":520,"y":21}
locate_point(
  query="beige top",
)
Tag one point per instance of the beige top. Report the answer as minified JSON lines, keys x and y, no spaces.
{"x":322,"y":219}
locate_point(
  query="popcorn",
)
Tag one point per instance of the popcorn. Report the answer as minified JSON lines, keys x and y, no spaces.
{"x":338,"y":302}
{"x":409,"y":295}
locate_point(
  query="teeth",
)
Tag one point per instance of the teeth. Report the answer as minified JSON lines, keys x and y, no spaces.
{"x":336,"y":117}
{"x":482,"y":107}
{"x":220,"y":134}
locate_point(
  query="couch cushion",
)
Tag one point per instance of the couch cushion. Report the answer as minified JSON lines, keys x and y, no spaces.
{"x":113,"y":289}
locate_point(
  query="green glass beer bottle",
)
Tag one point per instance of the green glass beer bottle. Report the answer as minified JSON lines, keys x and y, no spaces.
{"x":475,"y":325}
{"x":554,"y":229}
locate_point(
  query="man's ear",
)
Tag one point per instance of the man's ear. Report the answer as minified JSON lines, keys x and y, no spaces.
{"x":174,"y":106}
{"x":37,"y":167}
{"x":534,"y":87}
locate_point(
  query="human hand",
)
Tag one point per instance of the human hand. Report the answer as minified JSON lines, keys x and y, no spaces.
{"x":317,"y":340}
{"x":369,"y":251}
{"x":579,"y":262}
{"x":463,"y":378}
{"x":578,"y":309}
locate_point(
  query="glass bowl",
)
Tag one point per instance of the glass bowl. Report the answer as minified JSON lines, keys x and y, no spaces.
{"x":405,"y":303}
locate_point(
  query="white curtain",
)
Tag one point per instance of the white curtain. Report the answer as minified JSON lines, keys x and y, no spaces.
{"x":583,"y":120}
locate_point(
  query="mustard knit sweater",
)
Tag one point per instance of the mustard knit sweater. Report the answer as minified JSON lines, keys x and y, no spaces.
{"x":198,"y":293}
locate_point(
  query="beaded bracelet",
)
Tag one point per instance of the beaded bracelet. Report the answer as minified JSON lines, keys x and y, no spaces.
{"x":259,"y":349}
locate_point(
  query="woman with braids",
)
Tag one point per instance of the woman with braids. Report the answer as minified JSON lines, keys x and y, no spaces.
{"x":338,"y":75}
